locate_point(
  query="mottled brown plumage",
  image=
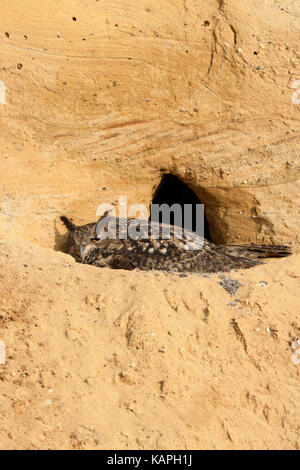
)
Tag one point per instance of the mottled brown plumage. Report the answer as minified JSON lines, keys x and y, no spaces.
{"x":173,"y":254}
{"x":78,"y":235}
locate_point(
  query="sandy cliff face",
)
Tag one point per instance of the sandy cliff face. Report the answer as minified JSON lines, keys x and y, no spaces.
{"x":102,"y":99}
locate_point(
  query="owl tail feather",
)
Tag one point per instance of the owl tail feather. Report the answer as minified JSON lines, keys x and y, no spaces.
{"x":258,"y":251}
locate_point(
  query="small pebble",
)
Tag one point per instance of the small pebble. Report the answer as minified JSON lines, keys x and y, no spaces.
{"x":230,"y":285}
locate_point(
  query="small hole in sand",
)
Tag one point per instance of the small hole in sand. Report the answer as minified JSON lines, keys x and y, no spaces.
{"x":172,"y":190}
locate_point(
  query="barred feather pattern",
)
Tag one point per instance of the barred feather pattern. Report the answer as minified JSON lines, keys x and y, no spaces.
{"x":181,"y":252}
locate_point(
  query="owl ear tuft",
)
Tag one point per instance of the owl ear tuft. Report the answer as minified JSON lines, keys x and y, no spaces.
{"x":106,"y":214}
{"x":68,"y":223}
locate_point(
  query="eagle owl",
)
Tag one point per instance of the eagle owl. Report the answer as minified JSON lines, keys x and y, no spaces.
{"x":173,"y":254}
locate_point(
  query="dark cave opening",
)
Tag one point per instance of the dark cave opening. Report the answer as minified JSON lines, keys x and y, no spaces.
{"x":172,"y":190}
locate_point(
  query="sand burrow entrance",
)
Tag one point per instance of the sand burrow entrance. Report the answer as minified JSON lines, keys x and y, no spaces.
{"x":171,"y":190}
